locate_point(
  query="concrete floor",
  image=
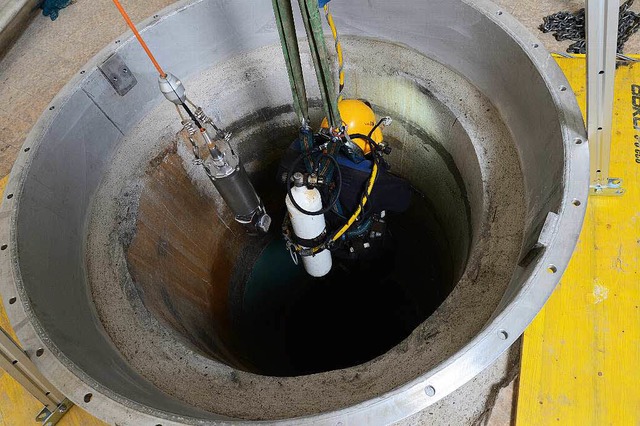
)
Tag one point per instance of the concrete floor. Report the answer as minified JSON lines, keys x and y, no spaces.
{"x":48,"y":53}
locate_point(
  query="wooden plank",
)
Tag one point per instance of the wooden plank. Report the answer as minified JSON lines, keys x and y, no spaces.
{"x":17,"y":406}
{"x":581,"y":355}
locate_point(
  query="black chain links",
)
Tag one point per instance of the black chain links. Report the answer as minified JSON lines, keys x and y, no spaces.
{"x":572,"y":26}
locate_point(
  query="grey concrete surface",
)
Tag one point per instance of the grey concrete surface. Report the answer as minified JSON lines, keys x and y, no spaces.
{"x":14,"y":18}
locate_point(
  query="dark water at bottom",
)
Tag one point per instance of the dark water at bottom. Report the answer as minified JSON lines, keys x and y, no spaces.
{"x":293,"y":324}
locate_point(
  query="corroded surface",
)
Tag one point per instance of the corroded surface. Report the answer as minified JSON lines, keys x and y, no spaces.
{"x":185,"y":254}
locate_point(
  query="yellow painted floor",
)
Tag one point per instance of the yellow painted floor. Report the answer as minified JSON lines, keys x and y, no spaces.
{"x":581,"y":356}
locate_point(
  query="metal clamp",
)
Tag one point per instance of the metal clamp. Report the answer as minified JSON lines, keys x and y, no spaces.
{"x":47,"y":417}
{"x":118,"y":74}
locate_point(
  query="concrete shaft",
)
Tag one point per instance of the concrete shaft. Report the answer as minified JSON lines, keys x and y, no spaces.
{"x":124,"y":266}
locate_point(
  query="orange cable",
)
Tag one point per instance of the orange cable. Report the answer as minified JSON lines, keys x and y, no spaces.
{"x":140,"y":39}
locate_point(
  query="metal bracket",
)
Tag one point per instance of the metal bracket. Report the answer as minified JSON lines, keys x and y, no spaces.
{"x":49,"y":418}
{"x":613,"y":187}
{"x":118,"y":74}
{"x":602,"y":36}
{"x":19,"y":366}
{"x":544,"y":238}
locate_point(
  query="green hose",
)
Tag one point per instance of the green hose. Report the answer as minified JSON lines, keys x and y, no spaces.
{"x":313,"y":25}
{"x":289,"y":41}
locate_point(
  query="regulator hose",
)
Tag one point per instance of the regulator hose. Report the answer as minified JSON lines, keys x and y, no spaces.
{"x":365,"y":197}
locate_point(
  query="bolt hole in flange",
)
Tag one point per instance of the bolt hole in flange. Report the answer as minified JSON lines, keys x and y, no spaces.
{"x":430,"y":390}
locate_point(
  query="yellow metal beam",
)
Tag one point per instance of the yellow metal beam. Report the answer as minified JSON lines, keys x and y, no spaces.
{"x":581,"y":355}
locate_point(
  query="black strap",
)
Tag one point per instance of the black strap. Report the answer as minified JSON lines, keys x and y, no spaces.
{"x":314,"y":242}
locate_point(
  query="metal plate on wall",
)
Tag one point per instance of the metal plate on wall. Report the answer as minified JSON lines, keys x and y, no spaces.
{"x":118,"y":74}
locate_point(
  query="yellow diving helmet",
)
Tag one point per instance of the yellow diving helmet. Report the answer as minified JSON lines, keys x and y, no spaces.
{"x":358,"y":117}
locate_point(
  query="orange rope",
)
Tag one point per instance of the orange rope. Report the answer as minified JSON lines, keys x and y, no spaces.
{"x":139,"y":37}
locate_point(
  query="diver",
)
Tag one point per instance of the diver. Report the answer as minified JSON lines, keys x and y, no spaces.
{"x":338,"y":183}
{"x":343,"y":184}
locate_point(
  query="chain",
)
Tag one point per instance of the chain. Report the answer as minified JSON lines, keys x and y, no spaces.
{"x":191,"y":129}
{"x":572,"y":26}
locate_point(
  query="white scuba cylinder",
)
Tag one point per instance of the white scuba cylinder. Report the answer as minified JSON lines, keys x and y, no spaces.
{"x":309,"y":227}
